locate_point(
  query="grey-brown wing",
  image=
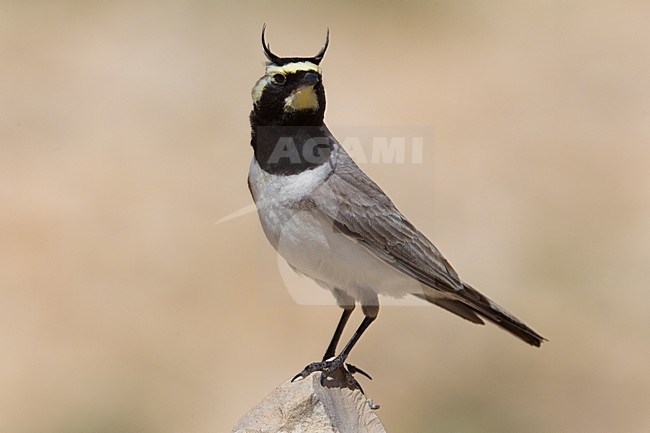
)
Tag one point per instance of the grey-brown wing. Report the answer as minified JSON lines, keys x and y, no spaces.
{"x":359,"y":208}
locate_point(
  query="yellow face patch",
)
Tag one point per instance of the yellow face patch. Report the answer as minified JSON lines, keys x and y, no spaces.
{"x":259,"y":88}
{"x":303,"y":98}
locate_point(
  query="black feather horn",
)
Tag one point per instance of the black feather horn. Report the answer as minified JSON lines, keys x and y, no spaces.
{"x":318,"y":57}
{"x":267,"y":49}
{"x":277,"y":60}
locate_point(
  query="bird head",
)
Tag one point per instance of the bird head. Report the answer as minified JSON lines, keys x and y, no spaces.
{"x":291,"y":90}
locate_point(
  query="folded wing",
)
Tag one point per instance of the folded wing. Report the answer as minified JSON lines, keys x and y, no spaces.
{"x":361,"y":210}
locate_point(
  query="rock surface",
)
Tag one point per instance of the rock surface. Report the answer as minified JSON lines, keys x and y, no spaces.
{"x":306,"y":406}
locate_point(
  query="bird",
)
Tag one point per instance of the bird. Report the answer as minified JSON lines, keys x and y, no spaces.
{"x":330,"y":222}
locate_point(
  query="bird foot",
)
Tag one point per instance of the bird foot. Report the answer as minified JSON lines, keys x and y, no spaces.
{"x":334,"y":372}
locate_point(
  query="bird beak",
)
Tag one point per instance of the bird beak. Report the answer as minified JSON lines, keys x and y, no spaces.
{"x":310,"y":79}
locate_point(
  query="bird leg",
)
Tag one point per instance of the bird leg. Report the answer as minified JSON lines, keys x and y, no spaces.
{"x":328,"y":365}
{"x":331,"y":349}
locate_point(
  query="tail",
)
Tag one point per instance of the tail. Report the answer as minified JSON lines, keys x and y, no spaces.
{"x":471,"y":304}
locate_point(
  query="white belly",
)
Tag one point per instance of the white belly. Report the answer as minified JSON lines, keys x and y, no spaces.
{"x":311,"y":245}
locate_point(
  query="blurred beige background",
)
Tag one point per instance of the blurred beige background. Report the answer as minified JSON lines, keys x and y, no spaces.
{"x":124,"y":138}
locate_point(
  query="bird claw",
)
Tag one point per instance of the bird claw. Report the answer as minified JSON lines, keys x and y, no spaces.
{"x":329,"y":367}
{"x":311,"y":368}
{"x":354,"y":370}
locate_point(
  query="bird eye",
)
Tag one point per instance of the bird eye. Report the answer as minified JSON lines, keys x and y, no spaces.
{"x":279,"y":79}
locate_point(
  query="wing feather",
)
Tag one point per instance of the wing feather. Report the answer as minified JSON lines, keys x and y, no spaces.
{"x":360,"y":209}
{"x":357,"y":207}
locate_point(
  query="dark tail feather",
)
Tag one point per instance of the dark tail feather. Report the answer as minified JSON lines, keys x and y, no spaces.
{"x":473,"y":304}
{"x":499,"y":316}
